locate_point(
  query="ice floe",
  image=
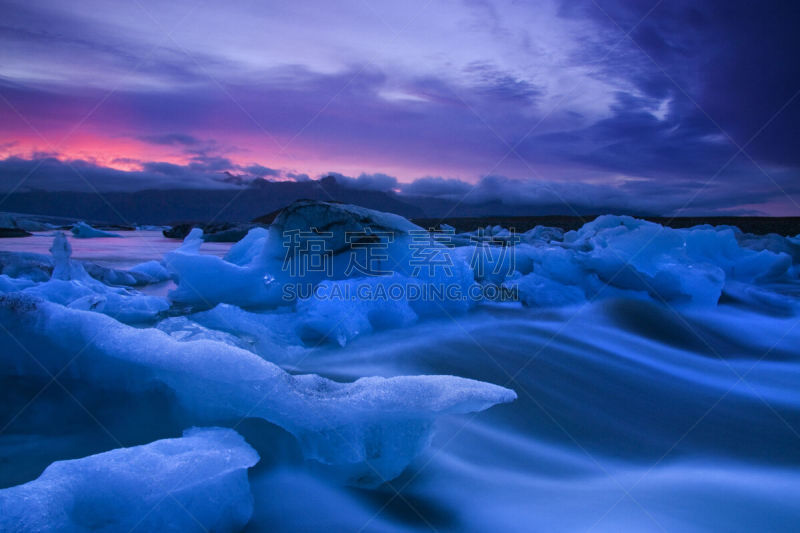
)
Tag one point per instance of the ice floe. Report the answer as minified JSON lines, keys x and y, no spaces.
{"x":194,"y":483}
{"x":369,"y":430}
{"x":82,"y":230}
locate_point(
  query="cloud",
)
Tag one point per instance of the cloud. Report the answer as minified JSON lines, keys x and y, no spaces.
{"x":367,"y":182}
{"x":51,"y":174}
{"x":261,"y":171}
{"x":437,"y":187}
{"x":171,"y":139}
{"x":553,"y":95}
{"x":493,"y":194}
{"x":722,"y":61}
{"x":495,"y":84}
{"x":213,"y":163}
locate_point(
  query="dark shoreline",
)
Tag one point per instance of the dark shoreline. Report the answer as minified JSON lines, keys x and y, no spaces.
{"x":786,"y":226}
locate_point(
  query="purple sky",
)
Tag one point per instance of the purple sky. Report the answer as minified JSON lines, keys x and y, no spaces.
{"x":672,"y":107}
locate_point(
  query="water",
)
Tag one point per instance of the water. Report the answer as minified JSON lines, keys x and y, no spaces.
{"x":619,"y":426}
{"x":133,"y":248}
{"x":632,"y":416}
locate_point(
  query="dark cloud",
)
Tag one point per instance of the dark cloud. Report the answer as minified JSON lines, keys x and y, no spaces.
{"x":727,"y":64}
{"x":490,"y":195}
{"x":212,"y":163}
{"x":501,"y":86}
{"x":171,"y":139}
{"x":261,"y":171}
{"x":437,"y":187}
{"x":51,"y":174}
{"x":693,"y":83}
{"x":367,"y":182}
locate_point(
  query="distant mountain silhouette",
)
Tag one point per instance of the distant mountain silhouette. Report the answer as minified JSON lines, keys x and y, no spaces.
{"x":157,"y":206}
{"x":259,"y":198}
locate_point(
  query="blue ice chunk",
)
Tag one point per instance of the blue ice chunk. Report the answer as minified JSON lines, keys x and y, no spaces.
{"x":194,"y":483}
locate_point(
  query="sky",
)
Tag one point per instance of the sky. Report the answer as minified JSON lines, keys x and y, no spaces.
{"x":672,"y":106}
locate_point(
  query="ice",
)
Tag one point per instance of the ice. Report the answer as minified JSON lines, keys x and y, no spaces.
{"x":71,"y":285}
{"x":9,"y":284}
{"x":342,"y":310}
{"x":193,"y":241}
{"x":539,"y":291}
{"x":110,"y":276}
{"x":82,"y":230}
{"x":262,"y":270}
{"x":333,"y":313}
{"x":35,"y":267}
{"x":208,"y":280}
{"x":637,"y":255}
{"x":23,"y":222}
{"x":153,"y":270}
{"x":150,"y":227}
{"x":247,"y":249}
{"x":404,"y":246}
{"x":721,"y":247}
{"x":368,"y":430}
{"x":272,"y":335}
{"x":771,"y":242}
{"x":215,"y":362}
{"x":610,"y":257}
{"x":194,"y":483}
{"x":339,"y":219}
{"x":542,"y":234}
{"x":631,"y":255}
{"x":183,"y":329}
{"x":64,"y":268}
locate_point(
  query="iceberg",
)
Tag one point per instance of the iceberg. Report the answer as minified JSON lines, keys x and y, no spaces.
{"x":610,"y":257}
{"x":183,"y":329}
{"x":38,"y":267}
{"x":248,"y":248}
{"x":257,"y":270}
{"x":194,"y":483}
{"x":9,"y":284}
{"x":70,"y":284}
{"x":152,"y":271}
{"x":621,"y":256}
{"x":82,"y":230}
{"x":24,"y":223}
{"x":206,"y":280}
{"x":272,"y":335}
{"x":339,"y":311}
{"x":26,"y":265}
{"x":538,"y":291}
{"x":368,"y":430}
{"x":270,"y":268}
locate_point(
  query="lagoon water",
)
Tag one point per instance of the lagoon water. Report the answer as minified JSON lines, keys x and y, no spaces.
{"x":134,"y":247}
{"x":626,"y":421}
{"x":632,"y":415}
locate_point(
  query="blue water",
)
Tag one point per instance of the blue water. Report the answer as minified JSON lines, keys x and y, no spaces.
{"x":632,"y":416}
{"x":626,"y":421}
